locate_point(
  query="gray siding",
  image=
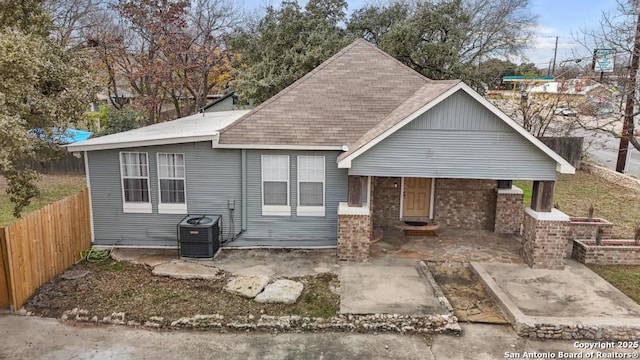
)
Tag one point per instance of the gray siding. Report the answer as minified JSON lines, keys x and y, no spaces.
{"x":458,"y":138}
{"x":212,"y":178}
{"x":293,"y":230}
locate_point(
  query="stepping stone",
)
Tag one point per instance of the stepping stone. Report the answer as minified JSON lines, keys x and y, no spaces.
{"x":247,"y":286}
{"x":74,"y":274}
{"x":281,"y":292}
{"x":186,"y":270}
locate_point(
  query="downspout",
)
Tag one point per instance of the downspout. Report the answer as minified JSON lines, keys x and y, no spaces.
{"x":244,"y":189}
{"x":86,"y":174}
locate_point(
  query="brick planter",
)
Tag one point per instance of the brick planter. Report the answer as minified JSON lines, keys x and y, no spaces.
{"x":587,"y":228}
{"x":611,"y":252}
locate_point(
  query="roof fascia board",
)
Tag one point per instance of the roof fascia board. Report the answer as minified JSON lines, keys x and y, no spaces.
{"x":278,"y":147}
{"x":346,"y":162}
{"x":140,"y":143}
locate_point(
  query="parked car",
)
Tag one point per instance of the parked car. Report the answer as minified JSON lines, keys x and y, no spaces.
{"x":565,"y":111}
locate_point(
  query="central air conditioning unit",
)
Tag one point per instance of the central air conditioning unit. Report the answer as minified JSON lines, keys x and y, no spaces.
{"x":199,"y":235}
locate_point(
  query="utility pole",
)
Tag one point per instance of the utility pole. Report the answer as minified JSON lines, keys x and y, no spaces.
{"x":555,"y":53}
{"x":628,"y":125}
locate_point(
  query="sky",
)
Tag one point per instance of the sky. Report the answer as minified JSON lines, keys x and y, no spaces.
{"x":561,"y":18}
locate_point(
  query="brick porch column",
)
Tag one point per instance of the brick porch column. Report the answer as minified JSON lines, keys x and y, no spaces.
{"x":544,"y":240}
{"x":354,"y":233}
{"x":508,"y":210}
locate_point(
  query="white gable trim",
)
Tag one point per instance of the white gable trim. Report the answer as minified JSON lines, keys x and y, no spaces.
{"x":140,"y":143}
{"x":562,"y":166}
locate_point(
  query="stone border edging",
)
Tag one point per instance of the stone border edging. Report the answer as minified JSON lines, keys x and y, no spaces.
{"x":437,"y":291}
{"x":611,"y":176}
{"x":406,"y":324}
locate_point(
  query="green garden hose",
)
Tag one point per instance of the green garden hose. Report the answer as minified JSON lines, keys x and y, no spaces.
{"x":95,"y":256}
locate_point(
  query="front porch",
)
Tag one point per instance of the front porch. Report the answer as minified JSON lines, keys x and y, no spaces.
{"x":450,"y":245}
{"x":479,"y":220}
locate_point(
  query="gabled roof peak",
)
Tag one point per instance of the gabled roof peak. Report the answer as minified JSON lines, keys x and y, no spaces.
{"x":334,"y":104}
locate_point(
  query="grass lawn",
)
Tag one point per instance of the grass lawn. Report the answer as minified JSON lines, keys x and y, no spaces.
{"x":52,"y":188}
{"x":624,"y":277}
{"x":574,"y":194}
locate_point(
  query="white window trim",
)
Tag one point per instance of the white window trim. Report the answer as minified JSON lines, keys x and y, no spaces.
{"x":368,"y":191}
{"x":172,"y":208}
{"x":130,"y":206}
{"x":312,"y":210}
{"x":276,"y":210}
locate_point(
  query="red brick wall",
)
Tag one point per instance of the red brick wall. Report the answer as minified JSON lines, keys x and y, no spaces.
{"x":509,"y":213}
{"x":465,"y":203}
{"x":386,"y":201}
{"x":544,"y":243}
{"x":354,"y":237}
{"x":588,"y":230}
{"x":612,"y":252}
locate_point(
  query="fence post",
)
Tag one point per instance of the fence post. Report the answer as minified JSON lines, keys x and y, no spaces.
{"x":5,"y":297}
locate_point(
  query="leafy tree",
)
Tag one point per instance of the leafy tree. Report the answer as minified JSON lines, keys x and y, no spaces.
{"x":110,"y":120}
{"x":285,"y":44}
{"x":447,"y":39}
{"x":42,"y":87}
{"x":430,"y":39}
{"x":492,"y":71}
{"x":26,"y":16}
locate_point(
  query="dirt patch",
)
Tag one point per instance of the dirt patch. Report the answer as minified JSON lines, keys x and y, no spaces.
{"x":466,"y":294}
{"x":124,"y":287}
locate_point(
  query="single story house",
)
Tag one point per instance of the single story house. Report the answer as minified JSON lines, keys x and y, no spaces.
{"x":361,"y":141}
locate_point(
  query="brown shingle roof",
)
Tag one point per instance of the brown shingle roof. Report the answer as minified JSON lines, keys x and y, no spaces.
{"x":333,"y":105}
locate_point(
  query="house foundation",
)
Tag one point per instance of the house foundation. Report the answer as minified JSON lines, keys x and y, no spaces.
{"x":508,"y":219}
{"x":544,"y":240}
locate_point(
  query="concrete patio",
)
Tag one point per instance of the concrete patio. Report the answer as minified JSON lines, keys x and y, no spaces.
{"x":450,"y":244}
{"x":390,"y":286}
{"x":570,"y":303}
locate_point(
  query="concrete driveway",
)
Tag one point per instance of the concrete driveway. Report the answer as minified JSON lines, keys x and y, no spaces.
{"x":36,"y":338}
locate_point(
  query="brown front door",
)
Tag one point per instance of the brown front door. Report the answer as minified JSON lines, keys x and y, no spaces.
{"x":417,"y":197}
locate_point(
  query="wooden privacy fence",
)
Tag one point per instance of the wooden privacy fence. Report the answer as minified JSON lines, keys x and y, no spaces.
{"x":69,"y":164}
{"x":40,"y":246}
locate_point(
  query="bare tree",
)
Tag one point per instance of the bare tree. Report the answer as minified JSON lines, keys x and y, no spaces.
{"x":74,"y":19}
{"x":170,"y":54}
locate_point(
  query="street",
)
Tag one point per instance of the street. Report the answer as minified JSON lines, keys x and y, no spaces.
{"x":38,"y":338}
{"x":602,"y":148}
